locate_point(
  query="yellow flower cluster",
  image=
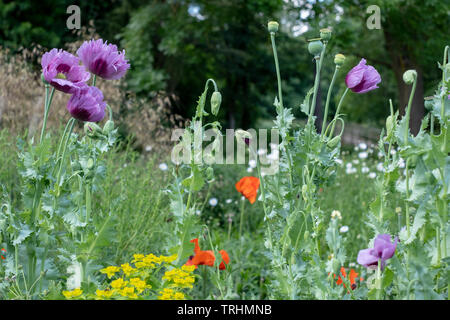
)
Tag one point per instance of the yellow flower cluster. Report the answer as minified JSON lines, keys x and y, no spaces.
{"x":170,"y":294}
{"x":150,"y":260}
{"x":130,"y":281}
{"x":72,"y":294}
{"x":181,"y":277}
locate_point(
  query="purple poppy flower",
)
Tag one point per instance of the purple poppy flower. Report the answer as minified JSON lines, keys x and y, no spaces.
{"x":383,"y":249}
{"x":103,"y":59}
{"x":63,"y":71}
{"x":87,"y":104}
{"x":362,"y":78}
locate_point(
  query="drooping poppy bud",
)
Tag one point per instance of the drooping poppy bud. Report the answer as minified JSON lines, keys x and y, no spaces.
{"x":92,"y":130}
{"x":216,"y":100}
{"x":334,"y":142}
{"x":410,"y":76}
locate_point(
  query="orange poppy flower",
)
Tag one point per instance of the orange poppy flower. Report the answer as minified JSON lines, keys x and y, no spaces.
{"x":206,"y":257}
{"x":352,"y":276}
{"x":3,"y":252}
{"x":248,"y":187}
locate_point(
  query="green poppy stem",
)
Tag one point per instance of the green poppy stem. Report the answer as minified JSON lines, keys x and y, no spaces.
{"x":48,"y":101}
{"x":408,"y":110}
{"x":337,"y":111}
{"x":241,"y":221}
{"x":327,"y":103}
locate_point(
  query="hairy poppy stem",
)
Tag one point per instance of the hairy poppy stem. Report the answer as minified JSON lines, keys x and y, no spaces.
{"x":316,"y":89}
{"x":408,"y":110}
{"x":241,"y":221}
{"x":58,"y":178}
{"x":327,"y":103}
{"x":48,"y":102}
{"x":337,"y":111}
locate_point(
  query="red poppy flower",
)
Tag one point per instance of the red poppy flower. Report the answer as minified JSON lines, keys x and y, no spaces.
{"x":206,"y":257}
{"x":248,"y":187}
{"x":353,"y":275}
{"x":3,"y":250}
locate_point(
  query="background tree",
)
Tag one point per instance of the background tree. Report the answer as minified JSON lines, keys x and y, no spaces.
{"x":412,"y":36}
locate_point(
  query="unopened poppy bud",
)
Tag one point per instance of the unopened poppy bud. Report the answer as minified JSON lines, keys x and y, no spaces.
{"x":272,"y":26}
{"x":339,"y":59}
{"x":108,"y":127}
{"x":216,"y":100}
{"x":410,"y":76}
{"x":325,"y":34}
{"x":90,"y":163}
{"x":315,"y":48}
{"x":305,"y":192}
{"x":336,"y":264}
{"x":429,"y":104}
{"x":334,"y":142}
{"x":210,"y":173}
{"x":92,"y":130}
{"x":389,"y":125}
{"x":306,"y":235}
{"x":242,"y":135}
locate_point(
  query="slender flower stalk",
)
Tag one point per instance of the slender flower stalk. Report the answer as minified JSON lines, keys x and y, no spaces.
{"x":280,"y":94}
{"x":327,"y":103}
{"x":337,"y":112}
{"x":316,"y":89}
{"x":410,"y":77}
{"x":48,"y":102}
{"x":241,"y":221}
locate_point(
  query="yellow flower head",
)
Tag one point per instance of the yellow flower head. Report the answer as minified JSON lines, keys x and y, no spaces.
{"x":137,"y":257}
{"x":139,"y":284}
{"x":119,"y":283}
{"x":104,"y":293}
{"x":128,"y":292}
{"x":72,"y":294}
{"x":127,"y":269}
{"x":110,"y":271}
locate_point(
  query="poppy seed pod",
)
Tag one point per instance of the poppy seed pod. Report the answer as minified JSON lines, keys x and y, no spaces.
{"x":272,"y":26}
{"x":410,"y":76}
{"x":216,"y":100}
{"x":315,"y":48}
{"x":325,"y":34}
{"x":339,"y":59}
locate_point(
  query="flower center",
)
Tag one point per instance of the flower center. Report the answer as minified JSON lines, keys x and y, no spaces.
{"x":60,"y":76}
